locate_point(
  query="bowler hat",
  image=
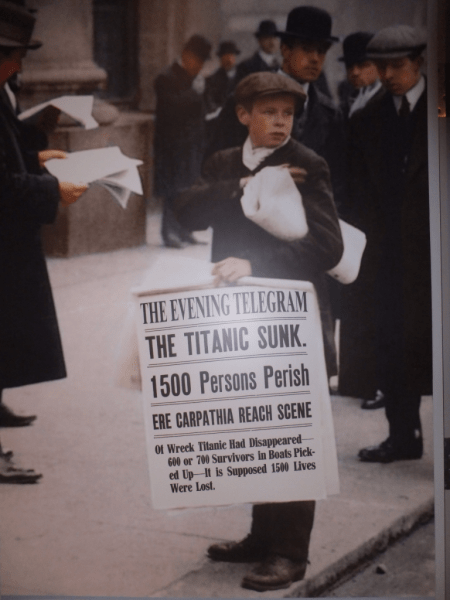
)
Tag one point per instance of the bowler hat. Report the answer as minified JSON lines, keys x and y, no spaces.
{"x":16,"y":27}
{"x":227,"y":48}
{"x":395,"y":42}
{"x":354,"y":47}
{"x":266,"y":28}
{"x":309,"y":23}
{"x":199,"y":46}
{"x":265,"y":83}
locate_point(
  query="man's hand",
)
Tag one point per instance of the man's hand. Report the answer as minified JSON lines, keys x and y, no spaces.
{"x":231,"y":269}
{"x":70,"y":192}
{"x":45,"y":155}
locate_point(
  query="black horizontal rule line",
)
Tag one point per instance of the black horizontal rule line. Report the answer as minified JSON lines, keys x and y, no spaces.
{"x":224,"y":323}
{"x":222,"y":358}
{"x":279,"y":395}
{"x":219,"y":431}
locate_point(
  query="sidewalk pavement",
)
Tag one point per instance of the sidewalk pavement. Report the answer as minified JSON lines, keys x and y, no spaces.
{"x":88,"y":527}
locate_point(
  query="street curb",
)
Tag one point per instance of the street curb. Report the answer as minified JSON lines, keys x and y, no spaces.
{"x":345,"y":567}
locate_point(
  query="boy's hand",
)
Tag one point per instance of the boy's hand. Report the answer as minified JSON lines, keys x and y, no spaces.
{"x":45,"y":155}
{"x":231,"y":269}
{"x":70,"y":192}
{"x":244,"y":180}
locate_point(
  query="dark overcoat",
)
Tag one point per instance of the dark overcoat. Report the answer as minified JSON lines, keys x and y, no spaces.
{"x":30,"y":345}
{"x":387,"y":312}
{"x":218,"y":86}
{"x":215,"y":201}
{"x":179,"y":141}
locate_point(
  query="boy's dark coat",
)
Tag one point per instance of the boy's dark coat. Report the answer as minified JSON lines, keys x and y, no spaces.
{"x":30,"y":345}
{"x":321,"y":129}
{"x":215,"y":201}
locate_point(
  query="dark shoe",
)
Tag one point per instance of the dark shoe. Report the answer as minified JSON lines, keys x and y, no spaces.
{"x":187,"y":237}
{"x":387,"y":452}
{"x":9,"y":419}
{"x":10,"y":474}
{"x":247,"y":550}
{"x":374,"y":403}
{"x":275,"y":573}
{"x":173,"y":240}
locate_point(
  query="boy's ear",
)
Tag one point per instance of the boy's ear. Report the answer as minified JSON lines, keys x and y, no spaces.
{"x":243,"y":115}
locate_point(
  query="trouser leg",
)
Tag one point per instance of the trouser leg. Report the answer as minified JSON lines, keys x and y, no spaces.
{"x":284,"y":528}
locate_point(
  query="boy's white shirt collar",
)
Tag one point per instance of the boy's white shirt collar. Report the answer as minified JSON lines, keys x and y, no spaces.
{"x":252,"y":157}
{"x":412,"y":95}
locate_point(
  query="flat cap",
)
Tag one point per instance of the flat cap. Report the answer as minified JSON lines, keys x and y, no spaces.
{"x":395,"y":42}
{"x":265,"y":83}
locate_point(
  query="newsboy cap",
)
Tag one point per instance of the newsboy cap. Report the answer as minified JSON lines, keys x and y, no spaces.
{"x":395,"y":42}
{"x":227,"y":48}
{"x":266,"y":28}
{"x":16,"y":27}
{"x":199,"y":46}
{"x":309,"y":23}
{"x":355,"y":48}
{"x":265,"y":83}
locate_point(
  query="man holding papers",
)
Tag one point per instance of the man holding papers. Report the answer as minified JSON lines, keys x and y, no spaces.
{"x":30,"y":345}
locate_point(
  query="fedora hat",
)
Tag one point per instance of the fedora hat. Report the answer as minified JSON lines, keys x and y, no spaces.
{"x":199,"y":46}
{"x":266,"y":28}
{"x":354,"y":47}
{"x":227,"y":48}
{"x":16,"y":27}
{"x":309,"y":23}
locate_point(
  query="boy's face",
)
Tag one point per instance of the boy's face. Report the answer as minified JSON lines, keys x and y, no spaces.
{"x":361,"y":74}
{"x":399,"y":75}
{"x":270,"y":120}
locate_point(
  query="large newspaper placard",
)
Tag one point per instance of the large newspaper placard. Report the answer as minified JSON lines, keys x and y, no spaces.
{"x":235,"y":395}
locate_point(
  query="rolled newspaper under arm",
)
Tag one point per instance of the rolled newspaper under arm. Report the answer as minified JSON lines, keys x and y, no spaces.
{"x":272,"y":201}
{"x":347,"y":269}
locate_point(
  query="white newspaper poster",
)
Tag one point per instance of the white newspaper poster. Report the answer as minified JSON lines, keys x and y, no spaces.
{"x":235,"y":395}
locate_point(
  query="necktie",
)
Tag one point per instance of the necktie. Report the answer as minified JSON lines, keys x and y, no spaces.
{"x":404,"y":108}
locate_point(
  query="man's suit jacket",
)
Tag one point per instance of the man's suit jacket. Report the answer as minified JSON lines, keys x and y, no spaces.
{"x":215,"y":201}
{"x":254,"y":64}
{"x":389,"y":305}
{"x":179,"y":139}
{"x":218,"y":87}
{"x":30,"y":345}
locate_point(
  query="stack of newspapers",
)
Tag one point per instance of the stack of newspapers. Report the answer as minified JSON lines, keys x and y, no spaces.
{"x":106,"y":167}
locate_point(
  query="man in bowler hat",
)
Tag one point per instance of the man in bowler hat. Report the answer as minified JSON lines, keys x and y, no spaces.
{"x":30,"y":349}
{"x":386,"y":321}
{"x":265,"y":58}
{"x":179,"y":140}
{"x":319,"y":125}
{"x":222,"y":82}
{"x":362,"y":84}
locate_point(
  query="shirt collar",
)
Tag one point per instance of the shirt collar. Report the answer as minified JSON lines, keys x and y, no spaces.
{"x":412,"y":95}
{"x":253,"y":157}
{"x":269,"y":59}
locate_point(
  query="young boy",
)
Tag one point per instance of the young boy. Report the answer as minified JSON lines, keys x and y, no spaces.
{"x":266,"y":103}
